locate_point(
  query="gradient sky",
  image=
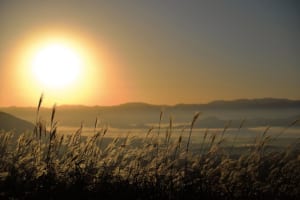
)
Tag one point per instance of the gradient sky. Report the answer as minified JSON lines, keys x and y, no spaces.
{"x":167,"y":52}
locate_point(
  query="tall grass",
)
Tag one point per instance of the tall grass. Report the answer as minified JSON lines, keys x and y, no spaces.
{"x":45,"y":164}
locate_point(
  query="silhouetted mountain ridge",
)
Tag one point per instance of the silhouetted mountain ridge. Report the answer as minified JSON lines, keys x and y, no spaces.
{"x":258,"y":112}
{"x":11,"y":123}
{"x":231,"y":104}
{"x":265,"y":103}
{"x":257,"y":103}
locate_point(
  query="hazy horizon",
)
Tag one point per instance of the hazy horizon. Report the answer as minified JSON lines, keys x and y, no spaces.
{"x":147,"y":103}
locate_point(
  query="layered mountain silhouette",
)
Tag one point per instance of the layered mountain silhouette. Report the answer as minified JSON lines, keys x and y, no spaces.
{"x":9,"y":122}
{"x":257,"y":112}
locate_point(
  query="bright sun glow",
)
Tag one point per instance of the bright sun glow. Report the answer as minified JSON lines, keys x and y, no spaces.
{"x":66,"y":68}
{"x":56,"y":66}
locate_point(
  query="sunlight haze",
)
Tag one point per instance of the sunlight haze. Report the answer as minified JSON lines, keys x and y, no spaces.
{"x":113,"y":52}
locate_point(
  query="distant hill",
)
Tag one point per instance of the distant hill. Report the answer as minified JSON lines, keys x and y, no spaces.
{"x":9,"y":122}
{"x":258,"y":112}
{"x":265,"y":103}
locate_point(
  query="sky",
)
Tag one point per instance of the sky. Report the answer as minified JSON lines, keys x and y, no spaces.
{"x":158,"y":52}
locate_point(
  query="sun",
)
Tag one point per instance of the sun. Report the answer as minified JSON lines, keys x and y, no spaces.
{"x":67,"y":67}
{"x":56,"y":66}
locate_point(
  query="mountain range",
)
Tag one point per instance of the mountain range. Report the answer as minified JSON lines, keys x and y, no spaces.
{"x":257,"y":112}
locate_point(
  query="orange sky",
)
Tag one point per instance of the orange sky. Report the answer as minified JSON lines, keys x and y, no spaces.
{"x":152,"y":51}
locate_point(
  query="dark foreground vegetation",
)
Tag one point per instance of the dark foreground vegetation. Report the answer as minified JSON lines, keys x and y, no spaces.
{"x":45,"y":165}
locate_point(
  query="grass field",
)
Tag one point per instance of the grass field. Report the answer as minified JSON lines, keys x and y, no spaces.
{"x":44,"y":164}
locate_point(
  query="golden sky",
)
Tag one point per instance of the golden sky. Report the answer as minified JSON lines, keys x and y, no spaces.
{"x":112,"y":52}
